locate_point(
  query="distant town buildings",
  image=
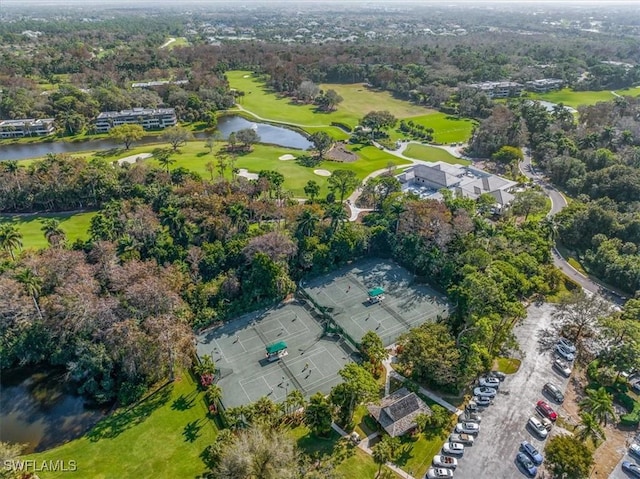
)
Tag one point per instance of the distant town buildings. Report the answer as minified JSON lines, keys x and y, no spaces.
{"x":151,"y":84}
{"x":497,"y":89}
{"x":427,"y":180}
{"x":26,"y":127}
{"x":544,"y":85}
{"x":148,"y":118}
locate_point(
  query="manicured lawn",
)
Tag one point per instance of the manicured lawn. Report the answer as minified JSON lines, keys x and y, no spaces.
{"x":75,"y":226}
{"x":430,"y":153}
{"x":358,"y":101}
{"x":507,"y":365}
{"x":448,"y":129}
{"x":418,"y":453}
{"x":161,"y":437}
{"x":576,"y":98}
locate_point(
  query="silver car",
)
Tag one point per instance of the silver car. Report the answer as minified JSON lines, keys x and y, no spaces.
{"x":485,"y":392}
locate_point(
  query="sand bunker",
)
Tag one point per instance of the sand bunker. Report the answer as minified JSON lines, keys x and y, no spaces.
{"x":244,"y":172}
{"x":246,"y":76}
{"x":322,"y":172}
{"x":287,"y":157}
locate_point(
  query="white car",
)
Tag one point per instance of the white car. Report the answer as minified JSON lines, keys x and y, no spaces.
{"x":634,"y":449}
{"x":481,"y":401}
{"x":465,"y":439}
{"x":565,"y":353}
{"x":562,"y":367}
{"x":470,"y":416}
{"x":489,"y":382}
{"x":445,"y":461}
{"x":453,"y":448}
{"x":486,"y":392}
{"x":567,"y":345}
{"x":537,"y":427}
{"x":467,"y":428}
{"x":439,"y":472}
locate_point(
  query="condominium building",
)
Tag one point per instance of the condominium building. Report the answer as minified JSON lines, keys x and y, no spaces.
{"x":26,"y":127}
{"x":544,"y":85}
{"x":498,"y":89}
{"x":148,"y":118}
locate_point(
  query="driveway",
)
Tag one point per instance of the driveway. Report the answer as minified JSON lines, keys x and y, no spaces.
{"x":503,"y":425}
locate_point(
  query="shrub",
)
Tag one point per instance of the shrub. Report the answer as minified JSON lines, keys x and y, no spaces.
{"x":342,"y":126}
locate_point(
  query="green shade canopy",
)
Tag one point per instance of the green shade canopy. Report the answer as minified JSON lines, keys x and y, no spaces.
{"x":276,"y":347}
{"x":376,"y":292}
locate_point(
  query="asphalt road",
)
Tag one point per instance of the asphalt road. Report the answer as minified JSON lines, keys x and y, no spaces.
{"x":617,"y":472}
{"x":503,"y":425}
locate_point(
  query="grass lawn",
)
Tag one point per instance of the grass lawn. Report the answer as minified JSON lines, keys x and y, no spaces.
{"x":576,"y":98}
{"x":507,"y":365}
{"x":180,"y":42}
{"x":430,"y":153}
{"x":75,"y":226}
{"x":358,"y":101}
{"x":448,"y":129}
{"x":161,"y":437}
{"x":418,"y":453}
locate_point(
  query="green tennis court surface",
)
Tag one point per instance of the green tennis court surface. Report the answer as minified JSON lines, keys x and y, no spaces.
{"x":246,"y":375}
{"x":344,"y":297}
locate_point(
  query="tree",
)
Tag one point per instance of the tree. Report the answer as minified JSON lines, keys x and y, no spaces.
{"x":529,"y":202}
{"x":10,"y":239}
{"x":307,"y":222}
{"x":312,"y":189}
{"x":343,"y":181}
{"x":176,"y":136}
{"x":590,"y":428}
{"x":32,"y":284}
{"x":386,"y":450}
{"x":372,"y":348}
{"x":599,"y":403}
{"x":210,"y":143}
{"x":307,"y":91}
{"x":247,"y":137}
{"x":213,"y":453}
{"x":52,"y":232}
{"x":163,"y":155}
{"x":126,"y":134}
{"x":329,"y":100}
{"x":322,"y":143}
{"x":568,"y":458}
{"x":213,"y":395}
{"x":358,"y":386}
{"x":258,"y":454}
{"x":378,"y":121}
{"x":507,"y":154}
{"x":318,"y":415}
{"x":294,"y":401}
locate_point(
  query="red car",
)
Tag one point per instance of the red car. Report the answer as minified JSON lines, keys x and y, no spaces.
{"x":545,"y":410}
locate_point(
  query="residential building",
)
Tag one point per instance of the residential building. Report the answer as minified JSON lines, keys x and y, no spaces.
{"x":544,"y":85}
{"x":428,"y":179}
{"x":497,"y":89}
{"x":397,"y":412}
{"x":151,"y":84}
{"x":149,"y":119}
{"x":26,"y":127}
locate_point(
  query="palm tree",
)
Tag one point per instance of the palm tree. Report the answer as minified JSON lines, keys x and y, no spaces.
{"x":293,"y":401}
{"x":599,"y":403}
{"x":52,"y":231}
{"x":10,"y":239}
{"x":396,"y":209}
{"x":32,"y":284}
{"x":307,"y":222}
{"x":163,"y":155}
{"x":213,"y":394}
{"x":338,"y":215}
{"x":589,"y":428}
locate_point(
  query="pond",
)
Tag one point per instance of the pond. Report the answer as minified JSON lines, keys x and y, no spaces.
{"x":37,"y":410}
{"x":275,"y":135}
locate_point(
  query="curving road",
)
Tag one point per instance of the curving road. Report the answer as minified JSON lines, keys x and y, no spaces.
{"x":558,"y":202}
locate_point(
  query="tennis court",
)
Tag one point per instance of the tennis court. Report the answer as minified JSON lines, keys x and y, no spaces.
{"x":344,"y":297}
{"x":239,"y":351}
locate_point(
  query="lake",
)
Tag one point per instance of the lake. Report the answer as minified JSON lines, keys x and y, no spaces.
{"x":37,"y":410}
{"x":276,"y":135}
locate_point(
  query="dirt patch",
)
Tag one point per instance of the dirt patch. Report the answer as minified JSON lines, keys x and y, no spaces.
{"x":340,"y":153}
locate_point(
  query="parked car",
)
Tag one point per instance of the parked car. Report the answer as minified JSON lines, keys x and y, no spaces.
{"x":554,"y":392}
{"x":634,"y":449}
{"x":498,"y":374}
{"x":565,"y":353}
{"x":532,"y":452}
{"x":453,"y":448}
{"x":547,"y":423}
{"x":527,"y":464}
{"x":465,"y":439}
{"x":546,"y":411}
{"x":485,"y":392}
{"x":439,"y":473}
{"x":567,"y":345}
{"x":631,"y":468}
{"x":562,"y":367}
{"x":467,"y":428}
{"x":635,"y":385}
{"x":470,"y":416}
{"x":482,"y":401}
{"x":537,"y":427}
{"x":445,"y":461}
{"x":489,"y":382}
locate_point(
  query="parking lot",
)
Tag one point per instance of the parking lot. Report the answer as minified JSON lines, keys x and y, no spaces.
{"x":618,"y":473}
{"x":503,"y":425}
